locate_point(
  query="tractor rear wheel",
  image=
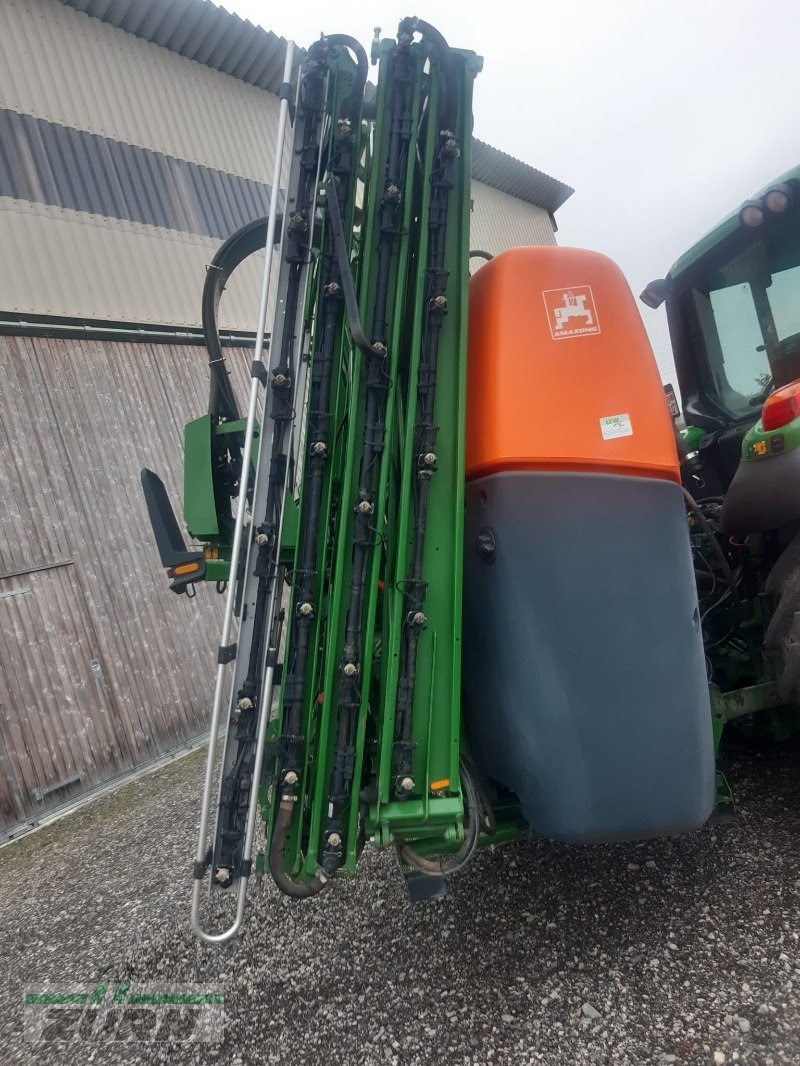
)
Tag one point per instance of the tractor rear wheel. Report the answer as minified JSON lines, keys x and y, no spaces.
{"x":782,"y":638}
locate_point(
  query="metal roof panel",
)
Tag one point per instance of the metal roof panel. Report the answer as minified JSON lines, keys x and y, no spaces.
{"x":218,"y":38}
{"x":198,"y":30}
{"x":504,"y":172}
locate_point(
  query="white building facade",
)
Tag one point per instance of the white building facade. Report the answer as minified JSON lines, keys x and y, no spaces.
{"x":135,"y":136}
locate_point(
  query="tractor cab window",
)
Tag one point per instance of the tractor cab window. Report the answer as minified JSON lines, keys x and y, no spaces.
{"x":749,"y":317}
{"x":743,"y":368}
{"x":784,"y":301}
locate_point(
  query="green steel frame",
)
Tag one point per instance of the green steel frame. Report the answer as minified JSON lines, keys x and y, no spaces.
{"x":433,"y":814}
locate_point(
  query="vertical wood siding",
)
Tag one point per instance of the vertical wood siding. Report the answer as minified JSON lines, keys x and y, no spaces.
{"x":80,"y":580}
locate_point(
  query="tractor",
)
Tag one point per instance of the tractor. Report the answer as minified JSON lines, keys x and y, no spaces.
{"x":734,"y":321}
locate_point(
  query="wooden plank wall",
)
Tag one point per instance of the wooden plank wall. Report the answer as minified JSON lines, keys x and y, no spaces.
{"x":101,"y":668}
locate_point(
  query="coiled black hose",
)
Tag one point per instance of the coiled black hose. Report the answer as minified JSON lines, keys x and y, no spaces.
{"x":230,"y":254}
{"x":451,"y":864}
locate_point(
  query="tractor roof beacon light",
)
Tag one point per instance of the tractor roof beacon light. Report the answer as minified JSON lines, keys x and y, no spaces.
{"x":777,"y":198}
{"x":751,"y":214}
{"x":782,"y":407}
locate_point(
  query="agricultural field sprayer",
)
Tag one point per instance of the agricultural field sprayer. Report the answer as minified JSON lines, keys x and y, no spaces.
{"x":460,"y":595}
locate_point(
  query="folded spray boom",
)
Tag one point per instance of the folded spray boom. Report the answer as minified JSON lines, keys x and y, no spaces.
{"x":333,"y":522}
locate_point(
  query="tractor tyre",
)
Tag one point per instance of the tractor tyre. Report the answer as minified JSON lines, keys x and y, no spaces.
{"x":782,"y":637}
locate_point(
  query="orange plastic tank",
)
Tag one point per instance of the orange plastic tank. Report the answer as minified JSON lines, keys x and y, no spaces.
{"x":561,"y":375}
{"x":585,"y":690}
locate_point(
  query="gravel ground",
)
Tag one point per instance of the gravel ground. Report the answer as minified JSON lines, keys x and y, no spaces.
{"x":680,"y":951}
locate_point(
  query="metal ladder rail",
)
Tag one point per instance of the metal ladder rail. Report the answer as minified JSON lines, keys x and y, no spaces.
{"x":201,"y":854}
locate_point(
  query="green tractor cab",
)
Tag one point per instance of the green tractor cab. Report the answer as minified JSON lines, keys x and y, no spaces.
{"x":733,"y":307}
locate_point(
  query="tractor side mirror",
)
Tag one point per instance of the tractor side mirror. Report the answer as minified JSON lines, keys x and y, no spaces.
{"x":655,"y":293}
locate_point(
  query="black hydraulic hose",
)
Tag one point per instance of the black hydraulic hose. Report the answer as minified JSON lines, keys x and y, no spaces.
{"x":377,"y":384}
{"x":714,"y":544}
{"x":390,"y":208}
{"x":299,"y":231}
{"x":353,"y":104}
{"x":343,"y":162}
{"x":289,"y":887}
{"x":478,"y":253}
{"x":448,"y":109}
{"x":237,"y":783}
{"x":231,"y":253}
{"x":489,"y":822}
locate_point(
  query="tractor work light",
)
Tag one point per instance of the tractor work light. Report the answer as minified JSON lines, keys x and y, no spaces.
{"x":751,"y":214}
{"x":782,"y":407}
{"x":777,"y":198}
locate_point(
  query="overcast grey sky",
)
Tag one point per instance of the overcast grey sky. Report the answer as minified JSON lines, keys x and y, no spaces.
{"x":663,"y":116}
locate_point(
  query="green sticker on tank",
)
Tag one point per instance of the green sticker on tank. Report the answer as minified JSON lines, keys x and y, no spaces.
{"x":613,"y":426}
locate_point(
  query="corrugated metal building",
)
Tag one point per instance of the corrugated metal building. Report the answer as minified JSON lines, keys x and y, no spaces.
{"x":134,"y":136}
